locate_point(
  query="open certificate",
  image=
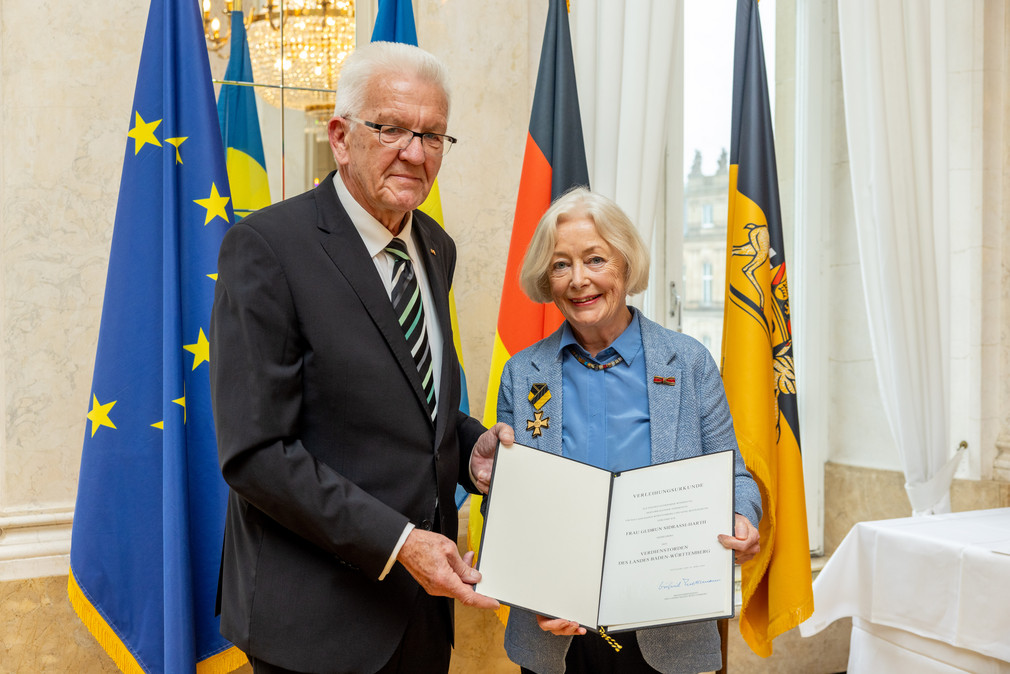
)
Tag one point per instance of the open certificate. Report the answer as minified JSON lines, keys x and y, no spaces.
{"x":620,"y":551}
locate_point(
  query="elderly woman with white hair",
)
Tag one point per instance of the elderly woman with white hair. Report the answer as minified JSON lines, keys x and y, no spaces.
{"x":586,"y":257}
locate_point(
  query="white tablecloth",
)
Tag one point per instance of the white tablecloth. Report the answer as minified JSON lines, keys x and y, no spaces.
{"x":944,"y":578}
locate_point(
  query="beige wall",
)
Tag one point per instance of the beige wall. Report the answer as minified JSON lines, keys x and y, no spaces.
{"x":62,"y":138}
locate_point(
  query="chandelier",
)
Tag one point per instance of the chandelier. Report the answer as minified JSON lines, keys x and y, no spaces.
{"x":297,"y":48}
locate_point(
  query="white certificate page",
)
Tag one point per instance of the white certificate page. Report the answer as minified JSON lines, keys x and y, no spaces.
{"x":544,"y":533}
{"x":663,"y":560}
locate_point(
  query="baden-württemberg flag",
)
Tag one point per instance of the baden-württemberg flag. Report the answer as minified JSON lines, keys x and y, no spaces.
{"x":149,"y":520}
{"x":395,"y":23}
{"x":240,"y":128}
{"x":757,"y":355}
{"x":554,"y":162}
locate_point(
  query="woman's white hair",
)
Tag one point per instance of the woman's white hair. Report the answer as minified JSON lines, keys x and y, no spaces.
{"x":381,"y":58}
{"x":614,"y":226}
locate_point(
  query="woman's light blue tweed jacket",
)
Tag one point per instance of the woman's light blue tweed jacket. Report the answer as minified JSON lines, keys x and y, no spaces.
{"x":686,"y":419}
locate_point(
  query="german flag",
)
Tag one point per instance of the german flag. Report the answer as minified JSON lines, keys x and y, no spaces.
{"x":757,"y":355}
{"x":554,"y":162}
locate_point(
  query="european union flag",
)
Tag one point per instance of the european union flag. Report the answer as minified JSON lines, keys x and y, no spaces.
{"x":149,"y":519}
{"x":240,"y":128}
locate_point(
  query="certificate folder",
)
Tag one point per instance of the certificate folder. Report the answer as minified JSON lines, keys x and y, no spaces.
{"x":621,"y":551}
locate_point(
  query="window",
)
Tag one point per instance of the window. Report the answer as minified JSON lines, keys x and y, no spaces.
{"x":706,"y":284}
{"x":708,"y":57}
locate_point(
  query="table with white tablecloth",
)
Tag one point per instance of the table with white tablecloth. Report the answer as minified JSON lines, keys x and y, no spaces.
{"x":926,"y":594}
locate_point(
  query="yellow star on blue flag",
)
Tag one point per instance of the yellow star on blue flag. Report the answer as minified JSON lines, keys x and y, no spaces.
{"x":216,"y":205}
{"x":200,"y":350}
{"x":142,"y":133}
{"x":177,"y":142}
{"x":99,"y":415}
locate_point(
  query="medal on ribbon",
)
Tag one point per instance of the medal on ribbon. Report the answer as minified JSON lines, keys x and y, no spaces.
{"x":538,"y":396}
{"x":538,"y":423}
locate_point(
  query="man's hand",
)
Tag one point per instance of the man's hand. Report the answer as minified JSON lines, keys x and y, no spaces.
{"x":745,"y":540}
{"x":482,"y":457}
{"x":434,"y":562}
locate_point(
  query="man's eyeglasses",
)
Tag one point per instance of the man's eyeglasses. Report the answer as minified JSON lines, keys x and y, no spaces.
{"x":399,"y":138}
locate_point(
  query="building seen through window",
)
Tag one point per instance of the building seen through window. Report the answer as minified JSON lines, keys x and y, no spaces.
{"x":708,"y":101}
{"x":705,"y":206}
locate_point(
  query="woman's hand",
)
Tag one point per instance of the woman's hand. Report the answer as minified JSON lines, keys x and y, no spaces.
{"x":560,"y":627}
{"x":745,"y":540}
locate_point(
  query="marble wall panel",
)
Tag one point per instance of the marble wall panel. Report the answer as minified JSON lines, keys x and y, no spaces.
{"x":63,"y":137}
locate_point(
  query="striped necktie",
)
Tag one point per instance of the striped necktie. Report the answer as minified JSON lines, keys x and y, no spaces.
{"x":406,"y":298}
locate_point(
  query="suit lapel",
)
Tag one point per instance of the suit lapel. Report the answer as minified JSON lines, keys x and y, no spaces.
{"x":664,"y":399}
{"x":545,"y":369}
{"x":342,"y":243}
{"x":438,"y":283}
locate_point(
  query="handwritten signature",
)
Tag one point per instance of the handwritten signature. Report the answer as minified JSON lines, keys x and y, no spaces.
{"x":684,"y":582}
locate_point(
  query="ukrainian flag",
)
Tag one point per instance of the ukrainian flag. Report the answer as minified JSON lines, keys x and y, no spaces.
{"x":240,"y":128}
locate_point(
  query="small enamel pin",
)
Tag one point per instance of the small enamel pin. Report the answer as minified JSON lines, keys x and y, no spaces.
{"x":668,"y":381}
{"x":539,"y":395}
{"x":538,"y":423}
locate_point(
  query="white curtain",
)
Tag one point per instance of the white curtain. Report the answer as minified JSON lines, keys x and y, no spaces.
{"x":625,"y":53}
{"x":894,"y":77}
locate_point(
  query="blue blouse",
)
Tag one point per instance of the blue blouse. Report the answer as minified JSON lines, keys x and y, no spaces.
{"x":606,"y":412}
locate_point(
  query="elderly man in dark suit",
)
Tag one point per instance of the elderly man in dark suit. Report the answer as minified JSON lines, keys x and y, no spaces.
{"x":336,"y":398}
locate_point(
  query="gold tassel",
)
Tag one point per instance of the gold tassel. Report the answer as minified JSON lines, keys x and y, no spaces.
{"x":610,"y":640}
{"x":104,"y":635}
{"x":226,"y":661}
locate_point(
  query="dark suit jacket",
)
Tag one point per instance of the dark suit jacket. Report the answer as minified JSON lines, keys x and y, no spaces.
{"x":323,"y":436}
